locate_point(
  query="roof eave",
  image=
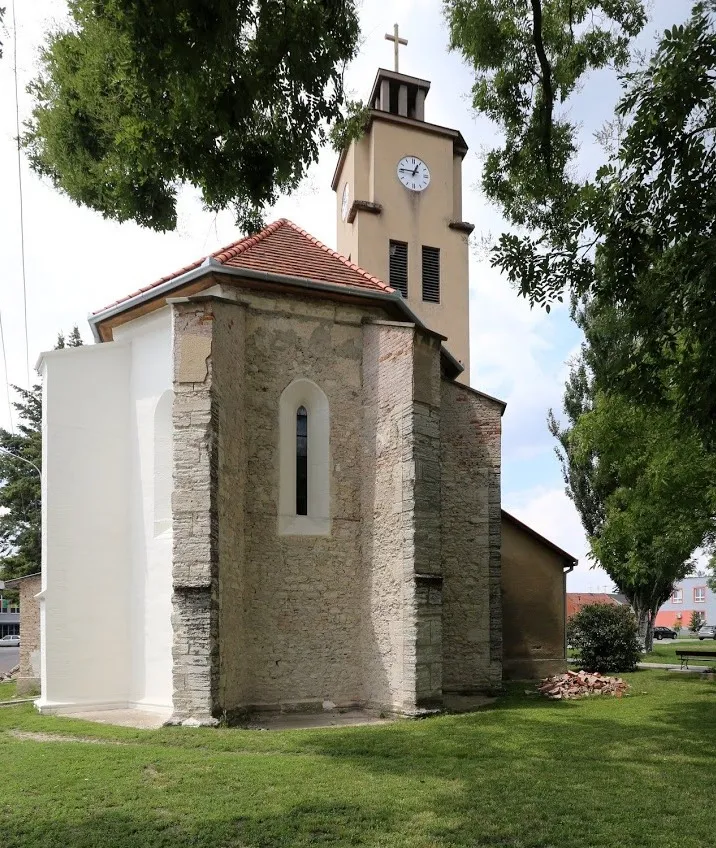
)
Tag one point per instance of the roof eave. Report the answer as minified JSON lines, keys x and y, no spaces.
{"x":212,"y":266}
{"x":569,"y":560}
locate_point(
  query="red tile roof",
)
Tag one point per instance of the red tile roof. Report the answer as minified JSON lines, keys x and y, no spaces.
{"x":282,"y":248}
{"x":577,"y":600}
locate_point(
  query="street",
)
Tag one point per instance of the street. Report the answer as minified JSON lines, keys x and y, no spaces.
{"x":9,"y":658}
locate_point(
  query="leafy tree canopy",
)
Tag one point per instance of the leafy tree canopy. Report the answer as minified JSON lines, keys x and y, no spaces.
{"x":640,"y":478}
{"x":640,"y":233}
{"x":137,"y":97}
{"x":528,"y":58}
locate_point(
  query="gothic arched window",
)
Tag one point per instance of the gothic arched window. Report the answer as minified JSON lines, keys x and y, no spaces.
{"x":302,"y":461}
{"x":304,"y":464}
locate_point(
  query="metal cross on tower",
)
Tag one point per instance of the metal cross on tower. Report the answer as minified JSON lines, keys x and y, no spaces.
{"x":397,"y":41}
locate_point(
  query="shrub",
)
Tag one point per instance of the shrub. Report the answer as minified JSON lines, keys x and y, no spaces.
{"x":605,"y":638}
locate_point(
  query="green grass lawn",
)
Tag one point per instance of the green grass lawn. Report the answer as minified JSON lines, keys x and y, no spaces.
{"x":638,"y":771}
{"x":7,"y":690}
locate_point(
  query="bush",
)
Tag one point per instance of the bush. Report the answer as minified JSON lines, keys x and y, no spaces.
{"x":605,"y":638}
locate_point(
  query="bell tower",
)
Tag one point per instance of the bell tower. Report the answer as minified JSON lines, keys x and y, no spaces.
{"x":399,"y":206}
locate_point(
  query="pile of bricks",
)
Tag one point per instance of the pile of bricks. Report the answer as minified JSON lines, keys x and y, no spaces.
{"x":9,"y":675}
{"x":581,"y":684}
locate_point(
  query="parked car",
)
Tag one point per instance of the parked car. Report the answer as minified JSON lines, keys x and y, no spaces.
{"x":664,"y":633}
{"x":10,"y":641}
{"x":706,"y":631}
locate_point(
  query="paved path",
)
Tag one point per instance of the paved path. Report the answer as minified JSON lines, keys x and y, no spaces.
{"x":671,"y":667}
{"x":9,"y":658}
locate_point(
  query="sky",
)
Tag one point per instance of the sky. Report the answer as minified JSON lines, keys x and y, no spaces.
{"x":77,"y":262}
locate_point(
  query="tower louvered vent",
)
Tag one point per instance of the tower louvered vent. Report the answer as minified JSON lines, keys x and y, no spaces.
{"x":399,"y":266}
{"x":431,"y":274}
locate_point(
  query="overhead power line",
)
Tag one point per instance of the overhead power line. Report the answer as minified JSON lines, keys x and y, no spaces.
{"x":19,"y":180}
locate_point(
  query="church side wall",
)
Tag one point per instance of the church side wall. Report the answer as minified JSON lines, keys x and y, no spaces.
{"x":151,"y":541}
{"x":85,"y":639}
{"x":303,"y":595}
{"x":388,"y":503}
{"x":471,"y":520}
{"x":533,"y":604}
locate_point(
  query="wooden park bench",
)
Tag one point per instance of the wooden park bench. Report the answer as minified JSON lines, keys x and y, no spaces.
{"x":684,"y":654}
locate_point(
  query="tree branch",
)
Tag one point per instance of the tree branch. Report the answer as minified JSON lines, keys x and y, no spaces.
{"x":547,"y":89}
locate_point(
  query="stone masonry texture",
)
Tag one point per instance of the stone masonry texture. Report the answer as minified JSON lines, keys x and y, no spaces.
{"x":470,"y":531}
{"x":399,"y":600}
{"x":194,"y":518}
{"x":28,"y":680}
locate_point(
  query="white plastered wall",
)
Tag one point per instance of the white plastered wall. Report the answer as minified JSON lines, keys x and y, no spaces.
{"x":150,"y":439}
{"x":85,"y":527}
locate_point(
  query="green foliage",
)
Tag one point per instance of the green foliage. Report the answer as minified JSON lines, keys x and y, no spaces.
{"x":351,"y":126}
{"x":528,"y":59}
{"x":640,"y":478}
{"x":697,"y":619}
{"x":20,"y":502}
{"x":639,"y":235}
{"x":20,"y":491}
{"x":605,"y":638}
{"x":711,"y":573}
{"x":137,"y":97}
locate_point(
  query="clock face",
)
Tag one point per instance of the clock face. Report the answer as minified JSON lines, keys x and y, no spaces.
{"x":413,"y":173}
{"x":345,"y":202}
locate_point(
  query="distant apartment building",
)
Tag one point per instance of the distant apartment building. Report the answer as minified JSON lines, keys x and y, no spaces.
{"x":690,"y":595}
{"x":9,"y":615}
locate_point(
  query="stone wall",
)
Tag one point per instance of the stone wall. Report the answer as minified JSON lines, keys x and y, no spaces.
{"x":229,"y":395}
{"x":304,"y":596}
{"x":28,"y":680}
{"x":471,"y":603}
{"x":401,"y":599}
{"x":388,"y":626}
{"x":195,"y":518}
{"x":426,"y":509}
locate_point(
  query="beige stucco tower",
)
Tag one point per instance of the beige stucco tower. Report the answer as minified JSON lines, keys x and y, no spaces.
{"x":399,"y":208}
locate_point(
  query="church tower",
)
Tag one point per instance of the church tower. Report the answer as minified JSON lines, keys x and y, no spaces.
{"x":399,"y":207}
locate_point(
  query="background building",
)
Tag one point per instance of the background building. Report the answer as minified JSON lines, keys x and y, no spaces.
{"x":690,"y":595}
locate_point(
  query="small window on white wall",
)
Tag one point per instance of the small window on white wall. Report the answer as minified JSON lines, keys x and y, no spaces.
{"x":163,"y":432}
{"x":304,"y":464}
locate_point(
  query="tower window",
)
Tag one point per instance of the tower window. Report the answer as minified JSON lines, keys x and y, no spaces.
{"x":302,"y":461}
{"x":399,"y":266}
{"x":431,"y":274}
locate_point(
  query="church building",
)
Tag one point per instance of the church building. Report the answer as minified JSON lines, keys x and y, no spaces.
{"x":270,"y":485}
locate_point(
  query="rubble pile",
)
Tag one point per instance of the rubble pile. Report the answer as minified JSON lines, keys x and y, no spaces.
{"x":581,"y":684}
{"x":10,"y":675}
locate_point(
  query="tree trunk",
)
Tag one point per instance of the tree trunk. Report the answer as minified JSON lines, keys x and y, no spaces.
{"x":645,"y":627}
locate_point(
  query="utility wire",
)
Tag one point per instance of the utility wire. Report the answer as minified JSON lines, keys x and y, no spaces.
{"x":7,"y":379}
{"x":19,"y":180}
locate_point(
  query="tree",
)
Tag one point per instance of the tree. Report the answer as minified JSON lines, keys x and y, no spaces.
{"x":20,"y":494}
{"x":641,"y":480}
{"x":529,"y":58}
{"x":136,"y":97}
{"x":697,"y":619}
{"x":711,"y":573}
{"x":639,"y":234}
